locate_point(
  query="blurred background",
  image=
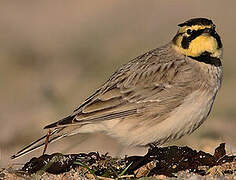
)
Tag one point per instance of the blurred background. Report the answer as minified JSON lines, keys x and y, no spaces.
{"x":54,"y":54}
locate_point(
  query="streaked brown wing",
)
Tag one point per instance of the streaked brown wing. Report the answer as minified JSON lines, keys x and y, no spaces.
{"x":144,"y":83}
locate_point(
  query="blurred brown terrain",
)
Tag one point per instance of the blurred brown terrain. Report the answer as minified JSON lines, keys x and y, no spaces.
{"x":54,"y":54}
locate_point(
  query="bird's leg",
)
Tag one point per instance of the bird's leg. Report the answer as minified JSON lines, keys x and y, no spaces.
{"x":46,"y":141}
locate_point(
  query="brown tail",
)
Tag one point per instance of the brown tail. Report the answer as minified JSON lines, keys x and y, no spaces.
{"x":39,"y":143}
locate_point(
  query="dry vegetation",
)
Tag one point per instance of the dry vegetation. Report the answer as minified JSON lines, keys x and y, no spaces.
{"x":54,"y":54}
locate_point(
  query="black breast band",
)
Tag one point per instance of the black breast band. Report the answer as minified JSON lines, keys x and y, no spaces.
{"x":206,"y":58}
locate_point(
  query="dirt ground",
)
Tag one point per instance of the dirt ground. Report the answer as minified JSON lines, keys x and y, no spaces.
{"x":55,"y":54}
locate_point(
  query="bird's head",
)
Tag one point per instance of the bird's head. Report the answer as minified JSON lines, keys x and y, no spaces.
{"x":197,"y":38}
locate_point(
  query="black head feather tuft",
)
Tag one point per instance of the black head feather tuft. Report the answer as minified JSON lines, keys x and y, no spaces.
{"x":196,"y":21}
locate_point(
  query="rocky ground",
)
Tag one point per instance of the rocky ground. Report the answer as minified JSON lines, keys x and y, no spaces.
{"x":159,"y":163}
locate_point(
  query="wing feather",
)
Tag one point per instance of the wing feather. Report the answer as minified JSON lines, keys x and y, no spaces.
{"x":146,"y":84}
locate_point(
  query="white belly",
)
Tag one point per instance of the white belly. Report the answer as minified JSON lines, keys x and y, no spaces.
{"x":183,"y":120}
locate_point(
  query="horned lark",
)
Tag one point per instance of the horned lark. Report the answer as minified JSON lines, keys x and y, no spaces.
{"x":157,"y":97}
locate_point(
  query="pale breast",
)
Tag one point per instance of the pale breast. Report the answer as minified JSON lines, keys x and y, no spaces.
{"x":181,"y":120}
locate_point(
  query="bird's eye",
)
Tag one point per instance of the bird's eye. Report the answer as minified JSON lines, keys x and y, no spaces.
{"x":189,"y":31}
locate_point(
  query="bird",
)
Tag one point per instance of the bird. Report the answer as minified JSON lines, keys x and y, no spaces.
{"x":155,"y":98}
